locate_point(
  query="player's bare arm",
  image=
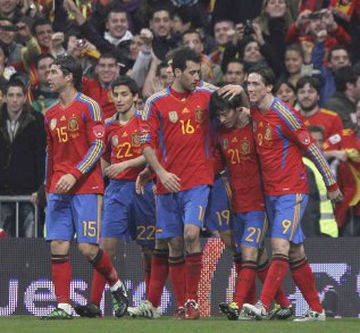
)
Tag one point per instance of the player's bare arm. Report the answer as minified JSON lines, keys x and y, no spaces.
{"x":168,"y":179}
{"x":113,"y":170}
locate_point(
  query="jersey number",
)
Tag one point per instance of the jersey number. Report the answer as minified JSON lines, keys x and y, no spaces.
{"x":186,"y":127}
{"x":89,"y":228}
{"x":234,"y":156}
{"x":223,"y":216}
{"x":252,"y":231}
{"x":286,"y":225}
{"x":62,"y":134}
{"x":124,"y":151}
{"x":142,"y":230}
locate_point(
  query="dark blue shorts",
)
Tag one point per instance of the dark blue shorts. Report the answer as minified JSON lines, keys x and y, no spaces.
{"x":218,"y":213}
{"x":285,"y":213}
{"x":70,"y":214}
{"x":174,"y":210}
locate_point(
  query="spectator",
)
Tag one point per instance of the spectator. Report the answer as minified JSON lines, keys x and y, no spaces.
{"x":309,"y":25}
{"x":107,"y":70}
{"x":234,"y":72}
{"x":272,"y":26}
{"x":337,"y":58}
{"x":41,"y":96}
{"x":347,"y":82}
{"x":7,"y":39}
{"x":287,"y":92}
{"x":160,"y":24}
{"x":22,"y":155}
{"x":345,"y":146}
{"x":251,"y":55}
{"x":10,"y":9}
{"x":210,"y":72}
{"x":294,"y":61}
{"x":308,"y":97}
{"x":223,"y":32}
{"x":117,"y":37}
{"x":319,"y":216}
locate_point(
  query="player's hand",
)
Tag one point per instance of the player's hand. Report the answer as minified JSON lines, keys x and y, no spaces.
{"x":114,"y":169}
{"x":230,"y":91}
{"x":170,"y":181}
{"x":341,"y":155}
{"x":335,"y":196}
{"x":141,"y":180}
{"x":65,"y":183}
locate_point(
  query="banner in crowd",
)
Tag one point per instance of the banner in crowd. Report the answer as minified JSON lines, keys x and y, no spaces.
{"x":26,"y":287}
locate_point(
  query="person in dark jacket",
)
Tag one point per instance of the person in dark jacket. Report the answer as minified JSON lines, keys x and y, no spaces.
{"x":22,"y":156}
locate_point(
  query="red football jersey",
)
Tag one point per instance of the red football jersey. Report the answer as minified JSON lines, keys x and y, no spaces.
{"x":93,"y":89}
{"x":75,"y":139}
{"x":349,"y":141}
{"x":329,"y":121}
{"x":237,"y":147}
{"x":281,"y":137}
{"x":179,"y":127}
{"x":123,"y":144}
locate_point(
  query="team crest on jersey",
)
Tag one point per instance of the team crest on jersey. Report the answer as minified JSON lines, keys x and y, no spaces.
{"x":53,"y":123}
{"x":225,"y":143}
{"x":115,"y":140}
{"x":98,"y":131}
{"x":173,"y":116}
{"x":245,"y":147}
{"x":135,"y":140}
{"x":267,"y":133}
{"x":73,"y":124}
{"x":199,"y":115}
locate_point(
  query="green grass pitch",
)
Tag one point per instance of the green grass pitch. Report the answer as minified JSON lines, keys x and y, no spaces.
{"x":28,"y":324}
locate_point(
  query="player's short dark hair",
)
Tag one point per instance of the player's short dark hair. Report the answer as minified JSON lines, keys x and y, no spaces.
{"x":39,"y":21}
{"x":219,"y":103}
{"x":15,"y":82}
{"x":337,"y":47}
{"x":41,"y":57}
{"x":315,"y":128}
{"x":346,"y":75}
{"x":69,"y":65}
{"x":182,"y":56}
{"x":312,"y":81}
{"x":266,"y":73}
{"x":128,"y":82}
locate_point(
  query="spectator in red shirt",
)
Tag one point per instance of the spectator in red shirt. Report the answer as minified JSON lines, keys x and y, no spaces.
{"x":107,"y":70}
{"x":308,"y":96}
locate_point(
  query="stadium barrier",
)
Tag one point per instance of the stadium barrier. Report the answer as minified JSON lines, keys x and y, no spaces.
{"x":17,"y":199}
{"x":26,"y":288}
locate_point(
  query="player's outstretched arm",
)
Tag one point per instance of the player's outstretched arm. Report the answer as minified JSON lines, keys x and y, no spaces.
{"x":170,"y":181}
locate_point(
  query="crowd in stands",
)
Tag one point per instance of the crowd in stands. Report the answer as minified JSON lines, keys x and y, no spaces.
{"x":312,"y":46}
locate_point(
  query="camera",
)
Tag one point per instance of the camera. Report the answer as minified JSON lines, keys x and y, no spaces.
{"x":248,"y":28}
{"x":80,"y":42}
{"x":315,"y":16}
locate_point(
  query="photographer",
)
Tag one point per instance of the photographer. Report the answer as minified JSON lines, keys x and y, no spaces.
{"x":309,"y":24}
